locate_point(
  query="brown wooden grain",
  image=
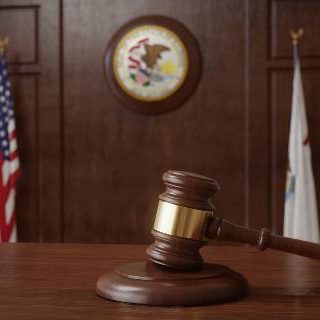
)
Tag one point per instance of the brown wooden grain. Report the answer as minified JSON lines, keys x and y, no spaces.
{"x":147,"y":283}
{"x":55,"y":281}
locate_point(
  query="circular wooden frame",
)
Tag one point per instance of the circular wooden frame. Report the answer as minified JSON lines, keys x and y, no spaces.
{"x":191,"y":79}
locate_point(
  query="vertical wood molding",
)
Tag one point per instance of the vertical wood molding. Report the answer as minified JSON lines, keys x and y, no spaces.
{"x":62,"y":122}
{"x":259,"y":126}
{"x":247,"y":114}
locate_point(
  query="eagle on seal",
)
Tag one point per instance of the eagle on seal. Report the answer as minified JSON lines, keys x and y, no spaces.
{"x":153,"y":53}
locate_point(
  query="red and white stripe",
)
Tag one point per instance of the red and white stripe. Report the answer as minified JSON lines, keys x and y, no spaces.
{"x":9,"y":174}
{"x":135,"y":60}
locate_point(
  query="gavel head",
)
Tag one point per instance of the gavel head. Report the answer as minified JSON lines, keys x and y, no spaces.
{"x":183,"y":216}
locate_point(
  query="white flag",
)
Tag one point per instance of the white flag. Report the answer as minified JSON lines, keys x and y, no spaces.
{"x":301,"y":214}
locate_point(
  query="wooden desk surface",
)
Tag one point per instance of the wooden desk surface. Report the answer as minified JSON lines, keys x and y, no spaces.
{"x":56,"y":281}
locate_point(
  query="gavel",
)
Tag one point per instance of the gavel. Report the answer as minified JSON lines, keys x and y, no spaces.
{"x":186,"y":219}
{"x":175,"y":273}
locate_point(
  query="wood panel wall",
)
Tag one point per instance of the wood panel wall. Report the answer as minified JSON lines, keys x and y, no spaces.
{"x":269,"y":96}
{"x":34,"y":58}
{"x":91,"y":169}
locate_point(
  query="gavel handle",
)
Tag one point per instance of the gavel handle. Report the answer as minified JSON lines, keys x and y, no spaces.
{"x":224,"y":230}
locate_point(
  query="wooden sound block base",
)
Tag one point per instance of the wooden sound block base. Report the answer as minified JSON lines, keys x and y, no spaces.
{"x":150,"y":284}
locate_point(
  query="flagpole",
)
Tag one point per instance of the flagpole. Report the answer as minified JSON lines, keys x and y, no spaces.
{"x":3,"y":45}
{"x":296,"y":35}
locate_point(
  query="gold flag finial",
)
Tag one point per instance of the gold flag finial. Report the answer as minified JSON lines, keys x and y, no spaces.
{"x":3,"y":44}
{"x":296,"y":35}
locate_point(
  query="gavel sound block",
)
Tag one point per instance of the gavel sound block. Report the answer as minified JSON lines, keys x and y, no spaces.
{"x":174,"y":272}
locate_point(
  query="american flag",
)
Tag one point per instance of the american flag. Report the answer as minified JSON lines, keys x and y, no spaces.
{"x":9,"y":161}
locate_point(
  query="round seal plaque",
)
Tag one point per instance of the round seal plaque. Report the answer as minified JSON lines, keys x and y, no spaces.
{"x":153,"y":64}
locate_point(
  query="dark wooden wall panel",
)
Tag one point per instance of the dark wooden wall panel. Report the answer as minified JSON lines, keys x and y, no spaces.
{"x":13,"y":22}
{"x":114,"y":158}
{"x":271,"y":75}
{"x":91,"y":169}
{"x":257,"y":115}
{"x":26,"y":96}
{"x":34,"y":64}
{"x":287,"y":15}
